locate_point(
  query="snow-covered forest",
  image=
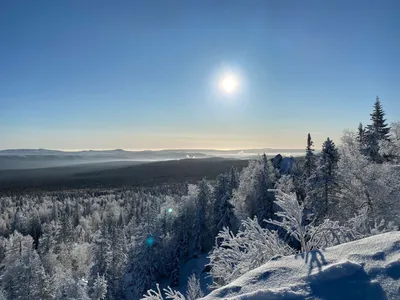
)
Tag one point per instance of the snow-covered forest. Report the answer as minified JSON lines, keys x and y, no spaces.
{"x":121,"y":243}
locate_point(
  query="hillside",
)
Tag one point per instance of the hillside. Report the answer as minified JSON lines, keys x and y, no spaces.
{"x":363,"y":269}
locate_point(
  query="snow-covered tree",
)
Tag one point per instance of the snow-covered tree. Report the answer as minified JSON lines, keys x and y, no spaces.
{"x":73,"y":289}
{"x":286,"y":184}
{"x":2,"y":295}
{"x":309,"y":164}
{"x":252,"y":197}
{"x":265,"y":199}
{"x":379,"y":122}
{"x":233,"y":180}
{"x":322,"y":185}
{"x":24,"y":276}
{"x":99,"y":289}
{"x":361,"y":134}
{"x":375,"y":133}
{"x":292,"y":219}
{"x":193,"y":290}
{"x":224,"y":215}
{"x":366,"y":187}
{"x":175,"y":274}
{"x":101,"y":254}
{"x":234,"y":255}
{"x":363,"y":226}
{"x":202,"y":230}
{"x":157,"y":295}
{"x":118,"y":258}
{"x":390,"y":149}
{"x":371,"y":147}
{"x":143,"y":263}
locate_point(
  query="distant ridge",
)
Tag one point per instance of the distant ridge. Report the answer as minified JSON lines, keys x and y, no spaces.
{"x":40,"y":158}
{"x":42,"y":151}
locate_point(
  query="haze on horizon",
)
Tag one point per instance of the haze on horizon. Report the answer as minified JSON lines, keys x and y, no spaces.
{"x":147,"y":74}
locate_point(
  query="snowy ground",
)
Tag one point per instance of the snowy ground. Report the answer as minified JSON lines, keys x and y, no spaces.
{"x":364,"y":269}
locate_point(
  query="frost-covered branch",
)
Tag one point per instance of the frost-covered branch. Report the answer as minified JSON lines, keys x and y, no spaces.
{"x":157,"y":295}
{"x":252,"y":246}
{"x":329,"y":233}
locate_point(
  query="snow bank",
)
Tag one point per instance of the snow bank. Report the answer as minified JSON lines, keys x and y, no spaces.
{"x":363,"y":269}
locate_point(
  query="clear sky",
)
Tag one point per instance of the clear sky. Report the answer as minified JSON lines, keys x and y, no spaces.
{"x":143,"y":74}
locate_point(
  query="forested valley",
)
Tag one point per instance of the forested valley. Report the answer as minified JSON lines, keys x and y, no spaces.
{"x":119,"y":243}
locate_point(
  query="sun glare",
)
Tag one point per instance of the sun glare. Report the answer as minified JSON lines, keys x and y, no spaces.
{"x":229,"y":83}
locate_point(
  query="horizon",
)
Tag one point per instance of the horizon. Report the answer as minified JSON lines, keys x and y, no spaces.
{"x":195,"y":75}
{"x":161,"y":149}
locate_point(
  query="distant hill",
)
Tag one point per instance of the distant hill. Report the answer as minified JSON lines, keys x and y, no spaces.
{"x":13,"y":159}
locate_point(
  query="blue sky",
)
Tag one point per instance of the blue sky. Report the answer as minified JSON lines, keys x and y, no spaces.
{"x":143,"y":74}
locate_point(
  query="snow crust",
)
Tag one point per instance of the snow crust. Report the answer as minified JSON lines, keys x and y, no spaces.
{"x":365,"y":269}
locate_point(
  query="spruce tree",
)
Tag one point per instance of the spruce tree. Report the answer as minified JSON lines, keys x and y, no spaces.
{"x":233,"y":180}
{"x":379,"y":122}
{"x":309,"y":165}
{"x":361,"y":133}
{"x":117,"y":261}
{"x":376,"y":132}
{"x":265,"y":199}
{"x":175,"y":273}
{"x":99,"y":288}
{"x":201,"y":226}
{"x":223,"y":208}
{"x":327,"y":177}
{"x":371,"y":148}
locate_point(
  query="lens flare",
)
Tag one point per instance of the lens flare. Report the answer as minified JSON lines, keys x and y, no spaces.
{"x":150,"y":241}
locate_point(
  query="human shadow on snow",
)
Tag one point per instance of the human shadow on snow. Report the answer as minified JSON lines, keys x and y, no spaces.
{"x":343,"y":281}
{"x":354,"y":285}
{"x":312,"y":260}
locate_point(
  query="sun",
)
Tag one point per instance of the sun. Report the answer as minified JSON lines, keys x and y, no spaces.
{"x":229,"y":83}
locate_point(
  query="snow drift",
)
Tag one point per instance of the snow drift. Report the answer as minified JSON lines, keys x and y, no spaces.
{"x":365,"y":269}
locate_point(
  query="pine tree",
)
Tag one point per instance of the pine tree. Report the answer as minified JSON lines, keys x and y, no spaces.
{"x":102,"y":256}
{"x":326,"y":181}
{"x":378,"y":122}
{"x":65,"y":231}
{"x":54,"y":211}
{"x":175,"y":274}
{"x":226,"y":215}
{"x":183,"y":227}
{"x":99,"y":288}
{"x":233,"y":180}
{"x":201,"y":226}
{"x":376,"y":132}
{"x":143,"y":265}
{"x":309,"y":165}
{"x":265,"y":199}
{"x":361,"y":133}
{"x":24,"y":276}
{"x":117,"y":261}
{"x":371,"y":148}
{"x":223,"y":208}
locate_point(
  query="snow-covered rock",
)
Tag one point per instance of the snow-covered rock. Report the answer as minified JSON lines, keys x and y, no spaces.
{"x":363,"y":269}
{"x":285,"y":165}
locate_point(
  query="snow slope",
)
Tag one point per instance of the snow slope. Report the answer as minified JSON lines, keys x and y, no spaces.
{"x":363,"y":269}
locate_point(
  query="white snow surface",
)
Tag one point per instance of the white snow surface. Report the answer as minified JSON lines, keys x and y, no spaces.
{"x":364,"y":269}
